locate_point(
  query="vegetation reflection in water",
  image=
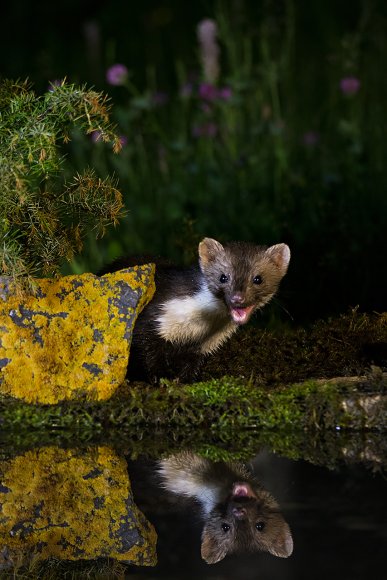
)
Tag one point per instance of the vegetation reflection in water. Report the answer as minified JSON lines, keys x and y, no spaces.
{"x":92,"y":511}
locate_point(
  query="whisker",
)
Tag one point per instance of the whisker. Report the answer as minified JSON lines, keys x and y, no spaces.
{"x":279,"y":303}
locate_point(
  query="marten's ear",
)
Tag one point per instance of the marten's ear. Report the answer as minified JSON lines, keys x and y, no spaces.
{"x":209,"y":251}
{"x":212,"y":550}
{"x":282,"y":546}
{"x":280,"y":255}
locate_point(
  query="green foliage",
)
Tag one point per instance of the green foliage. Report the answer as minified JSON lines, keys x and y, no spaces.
{"x":43,"y":219}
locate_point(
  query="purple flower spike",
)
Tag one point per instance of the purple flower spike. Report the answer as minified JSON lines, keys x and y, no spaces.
{"x":349,"y":85}
{"x":207,"y":31}
{"x":117,"y":74}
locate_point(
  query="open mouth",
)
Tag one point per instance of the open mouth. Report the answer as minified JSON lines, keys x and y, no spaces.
{"x":241,"y":315}
{"x":242,"y":490}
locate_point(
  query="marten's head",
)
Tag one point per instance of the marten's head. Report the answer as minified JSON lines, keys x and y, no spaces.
{"x":245,"y":276}
{"x":248,"y":520}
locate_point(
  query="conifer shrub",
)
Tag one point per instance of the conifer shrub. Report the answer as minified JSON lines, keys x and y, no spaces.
{"x":44,"y":212}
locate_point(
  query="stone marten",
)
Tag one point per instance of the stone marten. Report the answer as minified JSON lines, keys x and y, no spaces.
{"x":196,"y":309}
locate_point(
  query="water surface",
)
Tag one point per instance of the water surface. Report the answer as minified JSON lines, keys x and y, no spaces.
{"x":98,"y":512}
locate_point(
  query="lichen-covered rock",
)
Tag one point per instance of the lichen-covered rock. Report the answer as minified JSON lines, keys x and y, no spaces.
{"x":72,"y":336}
{"x":71,"y":505}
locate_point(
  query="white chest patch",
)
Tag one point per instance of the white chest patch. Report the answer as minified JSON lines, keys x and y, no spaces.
{"x":200,"y":318}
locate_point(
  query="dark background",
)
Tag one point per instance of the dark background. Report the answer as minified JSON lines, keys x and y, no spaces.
{"x":326,"y":200}
{"x":43,"y":40}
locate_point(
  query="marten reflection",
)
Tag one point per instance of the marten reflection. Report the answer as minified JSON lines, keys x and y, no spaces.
{"x":238,"y":514}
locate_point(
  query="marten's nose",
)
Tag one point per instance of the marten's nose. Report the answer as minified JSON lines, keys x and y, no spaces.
{"x":237,"y":299}
{"x":239,"y":512}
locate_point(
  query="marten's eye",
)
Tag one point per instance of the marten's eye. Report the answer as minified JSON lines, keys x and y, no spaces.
{"x":225,"y":528}
{"x":259,"y":526}
{"x":257,"y":280}
{"x":223,"y":279}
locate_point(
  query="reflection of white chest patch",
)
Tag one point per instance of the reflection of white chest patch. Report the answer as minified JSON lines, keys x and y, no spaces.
{"x":186,"y":481}
{"x":200,"y":318}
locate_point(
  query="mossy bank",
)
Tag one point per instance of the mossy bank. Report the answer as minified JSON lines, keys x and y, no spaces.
{"x":323,"y":381}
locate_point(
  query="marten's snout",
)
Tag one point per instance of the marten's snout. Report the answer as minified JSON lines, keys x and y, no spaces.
{"x":239,"y":512}
{"x":240,"y":312}
{"x":237,"y":299}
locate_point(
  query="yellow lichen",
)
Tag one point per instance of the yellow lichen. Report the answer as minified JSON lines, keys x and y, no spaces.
{"x":71,"y":505}
{"x":72,"y":337}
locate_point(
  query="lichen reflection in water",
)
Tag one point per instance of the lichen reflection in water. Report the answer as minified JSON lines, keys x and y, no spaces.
{"x":71,"y":504}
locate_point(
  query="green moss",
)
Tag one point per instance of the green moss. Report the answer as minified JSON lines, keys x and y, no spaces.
{"x":217,"y":405}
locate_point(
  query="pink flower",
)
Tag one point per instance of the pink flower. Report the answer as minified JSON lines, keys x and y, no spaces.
{"x":349,"y":85}
{"x":117,"y":74}
{"x":208,"y":92}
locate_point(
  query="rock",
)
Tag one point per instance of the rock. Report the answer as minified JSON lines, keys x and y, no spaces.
{"x":71,"y":337}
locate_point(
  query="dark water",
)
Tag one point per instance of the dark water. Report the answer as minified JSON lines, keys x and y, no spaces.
{"x":337,"y":518}
{"x":74,"y":504}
